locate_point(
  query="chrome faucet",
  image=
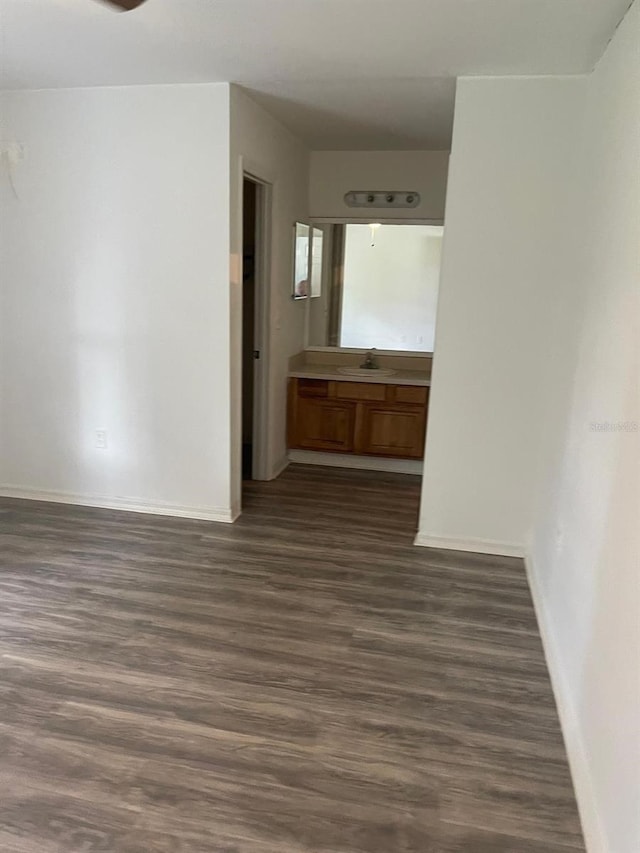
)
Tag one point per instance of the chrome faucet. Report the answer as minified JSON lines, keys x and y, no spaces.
{"x":370,"y":362}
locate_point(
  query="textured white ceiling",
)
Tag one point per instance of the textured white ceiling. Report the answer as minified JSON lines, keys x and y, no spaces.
{"x":341,"y":73}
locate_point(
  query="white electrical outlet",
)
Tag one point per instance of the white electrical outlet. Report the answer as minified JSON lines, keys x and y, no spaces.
{"x":101,"y":439}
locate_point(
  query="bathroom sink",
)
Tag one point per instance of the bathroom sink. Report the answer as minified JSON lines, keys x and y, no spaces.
{"x":366,"y":371}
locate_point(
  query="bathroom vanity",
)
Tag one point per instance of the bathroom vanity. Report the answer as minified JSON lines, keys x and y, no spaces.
{"x":369,"y":285}
{"x":368,"y":414}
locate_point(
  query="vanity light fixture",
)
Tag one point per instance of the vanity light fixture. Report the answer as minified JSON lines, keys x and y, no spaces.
{"x":382,"y":198}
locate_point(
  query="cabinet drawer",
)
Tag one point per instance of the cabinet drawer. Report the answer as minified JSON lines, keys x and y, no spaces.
{"x":415,"y":394}
{"x":361,"y":391}
{"x":313,"y":387}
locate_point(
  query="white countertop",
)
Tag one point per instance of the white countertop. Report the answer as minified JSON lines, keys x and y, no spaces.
{"x":330,"y":372}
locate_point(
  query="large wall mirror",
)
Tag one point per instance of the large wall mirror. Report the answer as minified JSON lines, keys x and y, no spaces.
{"x":375,"y":285}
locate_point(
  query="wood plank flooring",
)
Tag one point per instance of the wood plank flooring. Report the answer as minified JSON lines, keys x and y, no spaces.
{"x":304,"y":681}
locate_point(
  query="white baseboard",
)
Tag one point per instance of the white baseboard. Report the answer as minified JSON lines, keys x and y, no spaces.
{"x":124,"y":504}
{"x":477,"y":546}
{"x":364,"y":463}
{"x":279,"y":468}
{"x":592,"y":827}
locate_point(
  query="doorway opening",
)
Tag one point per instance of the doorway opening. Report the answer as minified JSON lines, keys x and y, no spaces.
{"x":255,"y":329}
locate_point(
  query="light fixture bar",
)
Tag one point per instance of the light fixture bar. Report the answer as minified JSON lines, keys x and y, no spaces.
{"x":382,"y":198}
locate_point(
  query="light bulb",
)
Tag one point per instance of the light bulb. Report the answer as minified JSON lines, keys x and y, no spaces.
{"x":374,"y":227}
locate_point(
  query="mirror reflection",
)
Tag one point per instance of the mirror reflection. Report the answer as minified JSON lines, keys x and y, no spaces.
{"x":301,"y":261}
{"x":374,"y":285}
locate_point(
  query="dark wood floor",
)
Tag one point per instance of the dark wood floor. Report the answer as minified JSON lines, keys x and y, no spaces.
{"x":304,"y":681}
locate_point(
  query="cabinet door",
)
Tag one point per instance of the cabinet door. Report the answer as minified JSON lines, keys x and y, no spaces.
{"x":392,"y":431}
{"x":323,"y":425}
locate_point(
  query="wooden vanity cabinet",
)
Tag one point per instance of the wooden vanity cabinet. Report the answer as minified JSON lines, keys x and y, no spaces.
{"x":390,"y":431}
{"x":366,"y":418}
{"x":324,"y":425}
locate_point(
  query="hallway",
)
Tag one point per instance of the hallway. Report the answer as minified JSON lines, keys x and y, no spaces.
{"x":303,"y":681}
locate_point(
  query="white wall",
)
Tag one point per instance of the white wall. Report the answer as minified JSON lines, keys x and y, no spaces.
{"x":508,"y":280}
{"x":390,"y":289}
{"x":585,"y":556}
{"x":115,"y":297}
{"x":334,"y":173}
{"x":266,"y":149}
{"x":533,"y":439}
